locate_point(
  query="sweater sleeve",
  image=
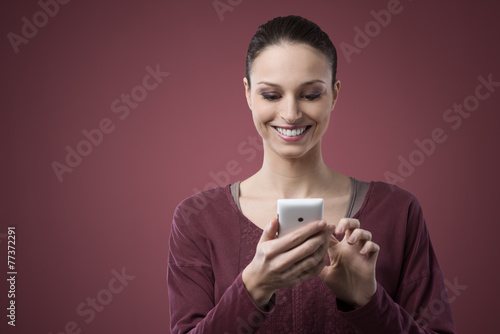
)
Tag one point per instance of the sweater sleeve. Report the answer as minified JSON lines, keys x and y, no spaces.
{"x":190,"y":280}
{"x":421,"y":303}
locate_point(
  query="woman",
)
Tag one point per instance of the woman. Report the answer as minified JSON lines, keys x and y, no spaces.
{"x":368,"y":267}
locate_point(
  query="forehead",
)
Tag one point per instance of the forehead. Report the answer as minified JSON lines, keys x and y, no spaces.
{"x":290,"y":63}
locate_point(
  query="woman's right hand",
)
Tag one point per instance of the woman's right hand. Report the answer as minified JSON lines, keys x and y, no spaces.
{"x":285,"y":261}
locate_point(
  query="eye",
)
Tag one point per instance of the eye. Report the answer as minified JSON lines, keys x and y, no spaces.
{"x":312,"y":97}
{"x":271,"y":96}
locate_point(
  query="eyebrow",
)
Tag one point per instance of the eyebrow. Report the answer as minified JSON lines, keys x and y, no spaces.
{"x":303,"y":84}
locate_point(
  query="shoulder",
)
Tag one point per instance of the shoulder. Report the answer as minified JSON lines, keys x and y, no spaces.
{"x":390,"y":203}
{"x":205,"y":205}
{"x":202,"y":218}
{"x":383,"y":193}
{"x":203,"y":198}
{"x":204,"y":224}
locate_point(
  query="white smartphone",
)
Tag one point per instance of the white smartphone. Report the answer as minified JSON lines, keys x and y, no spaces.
{"x":296,"y":212}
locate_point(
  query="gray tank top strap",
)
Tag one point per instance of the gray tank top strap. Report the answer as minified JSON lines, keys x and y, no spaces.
{"x":350,"y":206}
{"x":235,"y":192}
{"x":358,"y":193}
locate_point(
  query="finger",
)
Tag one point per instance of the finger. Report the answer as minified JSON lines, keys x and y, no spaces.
{"x":359,"y":235}
{"x":370,"y":248}
{"x":307,"y":267}
{"x":331,"y":227}
{"x":315,"y":246}
{"x":346,"y":224}
{"x":269,"y":231}
{"x":321,"y":260}
{"x":298,"y":236}
{"x":313,"y":271}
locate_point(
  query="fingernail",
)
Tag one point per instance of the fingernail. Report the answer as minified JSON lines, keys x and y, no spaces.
{"x":321,"y":224}
{"x":351,"y":239}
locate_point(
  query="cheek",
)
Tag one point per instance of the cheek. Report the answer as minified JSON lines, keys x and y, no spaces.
{"x":263,"y":112}
{"x":321,"y":115}
{"x":325,"y":119}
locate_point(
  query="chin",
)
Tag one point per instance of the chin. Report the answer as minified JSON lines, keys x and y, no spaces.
{"x":292,"y":152}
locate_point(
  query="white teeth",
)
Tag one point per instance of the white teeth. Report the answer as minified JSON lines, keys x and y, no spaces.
{"x":291,"y":133}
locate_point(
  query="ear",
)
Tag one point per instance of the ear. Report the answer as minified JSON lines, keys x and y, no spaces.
{"x":336,"y":90}
{"x":247,"y":92}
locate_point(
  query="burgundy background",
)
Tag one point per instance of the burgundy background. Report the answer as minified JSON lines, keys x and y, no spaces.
{"x":114,"y":210}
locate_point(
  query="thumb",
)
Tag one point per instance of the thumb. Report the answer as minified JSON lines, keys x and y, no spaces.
{"x":332,"y":242}
{"x":270,"y":231}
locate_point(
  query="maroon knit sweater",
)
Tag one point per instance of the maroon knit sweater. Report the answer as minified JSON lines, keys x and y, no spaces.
{"x":212,"y":242}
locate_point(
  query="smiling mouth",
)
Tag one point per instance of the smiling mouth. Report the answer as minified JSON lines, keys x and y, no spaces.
{"x":292,"y":132}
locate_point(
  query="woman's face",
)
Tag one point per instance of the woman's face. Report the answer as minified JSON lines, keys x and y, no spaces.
{"x":291,"y":98}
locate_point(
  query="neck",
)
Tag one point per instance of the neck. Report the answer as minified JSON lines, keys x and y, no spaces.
{"x":303,"y":177}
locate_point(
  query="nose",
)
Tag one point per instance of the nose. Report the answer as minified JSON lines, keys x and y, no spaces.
{"x":291,"y":112}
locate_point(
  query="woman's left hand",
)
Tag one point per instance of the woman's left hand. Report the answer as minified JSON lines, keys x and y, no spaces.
{"x":351,"y":272}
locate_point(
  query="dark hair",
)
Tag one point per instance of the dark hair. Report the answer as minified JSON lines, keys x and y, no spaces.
{"x":291,"y":29}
